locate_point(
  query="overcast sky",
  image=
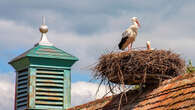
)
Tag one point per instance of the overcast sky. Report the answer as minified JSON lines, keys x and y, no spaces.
{"x":87,"y":29}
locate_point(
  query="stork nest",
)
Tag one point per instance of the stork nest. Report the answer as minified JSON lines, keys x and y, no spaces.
{"x":138,"y":67}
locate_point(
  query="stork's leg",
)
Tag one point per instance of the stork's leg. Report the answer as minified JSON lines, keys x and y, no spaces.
{"x":129,"y":48}
{"x":131,"y":45}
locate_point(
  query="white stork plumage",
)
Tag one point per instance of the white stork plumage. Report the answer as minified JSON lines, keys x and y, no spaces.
{"x":128,"y":37}
{"x":148,"y":45}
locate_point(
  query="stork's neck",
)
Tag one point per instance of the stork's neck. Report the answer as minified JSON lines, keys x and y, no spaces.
{"x":134,"y":27}
{"x":135,"y":24}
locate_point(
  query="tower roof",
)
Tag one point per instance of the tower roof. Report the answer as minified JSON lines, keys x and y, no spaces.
{"x":43,"y":51}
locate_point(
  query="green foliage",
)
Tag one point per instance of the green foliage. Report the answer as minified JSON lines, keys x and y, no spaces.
{"x":190,"y":68}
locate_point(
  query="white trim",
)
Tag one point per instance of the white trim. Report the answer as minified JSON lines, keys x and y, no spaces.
{"x":44,"y":40}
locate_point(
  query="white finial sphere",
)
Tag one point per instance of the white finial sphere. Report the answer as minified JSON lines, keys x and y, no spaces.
{"x":43,"y":28}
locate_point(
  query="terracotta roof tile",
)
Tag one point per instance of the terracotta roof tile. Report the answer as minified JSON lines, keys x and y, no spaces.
{"x":176,"y":93}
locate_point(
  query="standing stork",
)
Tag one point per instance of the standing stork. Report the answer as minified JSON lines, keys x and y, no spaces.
{"x":128,"y":37}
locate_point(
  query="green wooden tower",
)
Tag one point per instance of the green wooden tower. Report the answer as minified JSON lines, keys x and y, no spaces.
{"x":43,"y":76}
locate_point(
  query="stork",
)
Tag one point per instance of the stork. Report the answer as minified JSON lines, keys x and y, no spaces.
{"x":128,"y":37}
{"x":148,"y":45}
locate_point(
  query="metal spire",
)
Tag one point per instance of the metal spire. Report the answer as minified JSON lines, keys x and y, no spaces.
{"x":44,"y":29}
{"x":43,"y":20}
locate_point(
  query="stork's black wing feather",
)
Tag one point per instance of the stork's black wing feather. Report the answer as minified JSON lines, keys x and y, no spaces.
{"x":123,"y":40}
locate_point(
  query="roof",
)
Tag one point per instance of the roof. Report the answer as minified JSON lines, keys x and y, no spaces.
{"x":176,"y":93}
{"x":46,"y":52}
{"x":93,"y":104}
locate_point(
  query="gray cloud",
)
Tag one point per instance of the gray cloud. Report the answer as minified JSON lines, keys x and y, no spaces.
{"x":83,"y":92}
{"x":7,"y":91}
{"x":86,"y":16}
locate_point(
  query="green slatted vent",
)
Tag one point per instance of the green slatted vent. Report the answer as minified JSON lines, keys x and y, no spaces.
{"x":22,"y":90}
{"x":49,"y":89}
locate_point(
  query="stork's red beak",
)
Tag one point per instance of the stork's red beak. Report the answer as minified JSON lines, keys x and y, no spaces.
{"x":138,"y":23}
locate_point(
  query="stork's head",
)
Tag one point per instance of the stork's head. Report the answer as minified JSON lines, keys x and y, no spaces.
{"x":135,"y":20}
